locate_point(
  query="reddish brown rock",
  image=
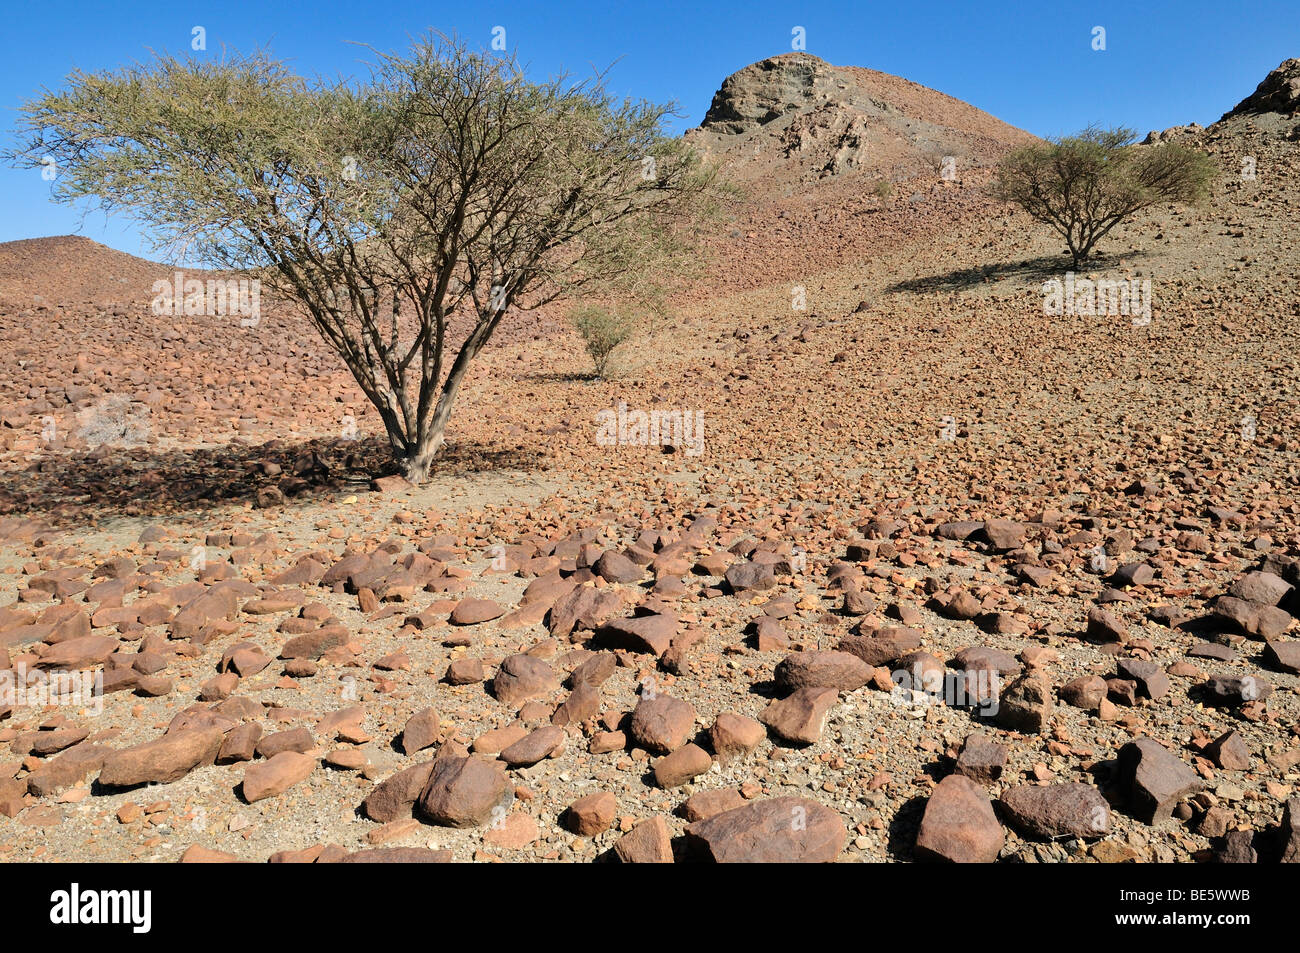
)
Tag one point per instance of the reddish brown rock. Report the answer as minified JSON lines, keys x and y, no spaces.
{"x":592,"y":814}
{"x":735,"y":736}
{"x":661,"y":723}
{"x":1106,"y":626}
{"x":69,"y":768}
{"x":583,"y":608}
{"x":649,"y":842}
{"x":312,"y":645}
{"x":883,"y":648}
{"x":464,"y":671}
{"x":295,"y":739}
{"x":395,"y":797}
{"x":533,"y":747}
{"x":705,"y":804}
{"x":800,"y":718}
{"x":652,"y":633}
{"x":1026,"y":704}
{"x":78,"y":653}
{"x":475,"y":611}
{"x":165,"y":759}
{"x":613,"y":566}
{"x":959,"y":825}
{"x":197,"y":854}
{"x":240,"y":743}
{"x":582,"y":704}
{"x":1155,"y":779}
{"x":981,"y":759}
{"x":1229,"y":752}
{"x":421,"y":731}
{"x":842,"y":671}
{"x":1050,"y":811}
{"x":522,"y":677}
{"x":685,"y":764}
{"x":462,"y":792}
{"x":777,"y":830}
{"x":272,"y":778}
{"x":1085,"y":692}
{"x":750,"y":576}
{"x":397,"y":855}
{"x":1151,"y":679}
{"x":1283,"y":655}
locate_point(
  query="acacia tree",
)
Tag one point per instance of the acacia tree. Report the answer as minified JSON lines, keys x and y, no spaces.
{"x":1085,"y":185}
{"x":406,"y":214}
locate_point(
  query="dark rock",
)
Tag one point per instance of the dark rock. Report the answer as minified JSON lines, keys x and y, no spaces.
{"x":1154,"y":779}
{"x":778,"y":830}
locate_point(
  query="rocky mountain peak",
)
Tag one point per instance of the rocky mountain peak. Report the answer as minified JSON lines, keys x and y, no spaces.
{"x":1278,"y":93}
{"x":768,"y":89}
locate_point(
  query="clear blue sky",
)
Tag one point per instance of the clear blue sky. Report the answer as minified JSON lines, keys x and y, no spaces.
{"x":1166,"y":62}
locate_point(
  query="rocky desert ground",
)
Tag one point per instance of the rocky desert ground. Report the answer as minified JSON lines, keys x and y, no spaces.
{"x":929,"y":574}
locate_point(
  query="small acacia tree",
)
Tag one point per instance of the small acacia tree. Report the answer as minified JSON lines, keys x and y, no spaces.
{"x":602,"y":330}
{"x":1085,"y":185}
{"x":406,"y":215}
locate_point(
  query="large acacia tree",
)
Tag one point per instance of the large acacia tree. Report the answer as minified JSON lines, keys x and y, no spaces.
{"x":406,"y":214}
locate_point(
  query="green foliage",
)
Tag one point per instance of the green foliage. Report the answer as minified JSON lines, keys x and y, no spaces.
{"x":602,"y":331}
{"x":1085,"y":185}
{"x":445,"y":183}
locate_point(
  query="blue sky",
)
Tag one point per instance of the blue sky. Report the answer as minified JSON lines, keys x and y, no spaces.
{"x":1166,"y":62}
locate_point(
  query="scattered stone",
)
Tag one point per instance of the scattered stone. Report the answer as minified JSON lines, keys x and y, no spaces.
{"x":842,"y":671}
{"x":1151,"y":680}
{"x":475,"y":611}
{"x":682,"y":765}
{"x":163,"y":760}
{"x":648,"y":842}
{"x":959,"y":825}
{"x":800,"y":718}
{"x":1046,"y":812}
{"x":272,"y":778}
{"x":1229,"y":752}
{"x":981,"y":759}
{"x":422,"y":730}
{"x":1154,"y":779}
{"x":735,"y":736}
{"x":533,"y":747}
{"x":592,"y":814}
{"x":1086,"y":692}
{"x":777,"y":830}
{"x":1026,"y":704}
{"x":522,"y":677}
{"x":463,"y":792}
{"x":661,"y":724}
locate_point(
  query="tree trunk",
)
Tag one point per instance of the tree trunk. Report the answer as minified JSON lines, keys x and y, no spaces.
{"x":417,"y":463}
{"x":418,"y":460}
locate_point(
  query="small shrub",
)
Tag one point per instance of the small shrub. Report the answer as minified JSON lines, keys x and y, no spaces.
{"x":602,"y":331}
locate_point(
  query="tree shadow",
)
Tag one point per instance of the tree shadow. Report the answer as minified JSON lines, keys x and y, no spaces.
{"x":150,"y":481}
{"x":1035,"y":270}
{"x":562,"y":377}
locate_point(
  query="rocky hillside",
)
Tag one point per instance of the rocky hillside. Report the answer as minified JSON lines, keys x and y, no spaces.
{"x":840,"y":163}
{"x":70,"y":269}
{"x":796,"y":118}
